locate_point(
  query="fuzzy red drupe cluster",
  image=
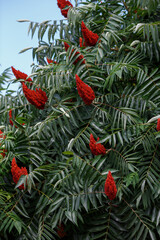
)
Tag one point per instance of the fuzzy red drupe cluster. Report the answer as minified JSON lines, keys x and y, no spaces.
{"x":81,"y":43}
{"x":17,"y":172}
{"x":37,"y":98}
{"x":66,"y":45}
{"x":84,"y":91}
{"x":96,"y":148}
{"x":10,"y":118}
{"x":51,"y":61}
{"x":20,"y":75}
{"x":110,"y":187}
{"x":62,"y":4}
{"x":158,"y":124}
{"x":61,"y":232}
{"x":90,"y":38}
{"x":1,"y":136}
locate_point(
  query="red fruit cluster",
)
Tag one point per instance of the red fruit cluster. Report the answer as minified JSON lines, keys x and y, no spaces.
{"x":66,"y":45}
{"x":20,"y":75}
{"x":96,"y":148}
{"x":61,"y":233}
{"x":51,"y":61}
{"x":81,"y":43}
{"x":62,"y":4}
{"x":17,"y":172}
{"x":90,"y":38}
{"x":110,"y":187}
{"x":10,"y":118}
{"x":1,"y":136}
{"x":158,"y":124}
{"x":37,"y":98}
{"x":84,"y":91}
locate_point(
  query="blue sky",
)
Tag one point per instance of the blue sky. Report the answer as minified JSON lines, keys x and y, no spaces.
{"x":14,"y":36}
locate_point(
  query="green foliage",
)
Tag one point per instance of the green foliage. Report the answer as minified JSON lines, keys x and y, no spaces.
{"x":65,"y":182}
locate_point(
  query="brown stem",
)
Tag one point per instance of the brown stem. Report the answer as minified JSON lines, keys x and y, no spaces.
{"x":124,"y":3}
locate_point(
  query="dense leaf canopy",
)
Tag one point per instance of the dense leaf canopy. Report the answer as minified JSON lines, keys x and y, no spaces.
{"x":65,"y":182}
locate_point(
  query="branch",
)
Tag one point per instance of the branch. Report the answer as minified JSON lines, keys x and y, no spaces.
{"x":128,"y":10}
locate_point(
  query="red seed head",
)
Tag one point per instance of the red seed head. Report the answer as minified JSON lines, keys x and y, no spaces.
{"x":49,"y":61}
{"x":17,"y":172}
{"x":84,"y":91}
{"x":158,"y":124}
{"x":61,"y":232}
{"x":3,"y":136}
{"x":62,"y":4}
{"x":81,"y":44}
{"x":89,"y":37}
{"x":10,"y":117}
{"x":110,"y":187}
{"x":20,"y":75}
{"x":76,"y":53}
{"x":96,"y":148}
{"x":37,"y":98}
{"x":66,"y":45}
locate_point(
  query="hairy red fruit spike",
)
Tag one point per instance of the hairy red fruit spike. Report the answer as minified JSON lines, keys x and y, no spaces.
{"x":81,"y":44}
{"x":20,"y":75}
{"x":1,"y":136}
{"x":37,"y":98}
{"x":110,"y":187}
{"x":89,"y":37}
{"x":84,"y":91}
{"x":61,"y":233}
{"x":59,"y":3}
{"x":51,"y":61}
{"x":158,"y":124}
{"x":96,"y":148}
{"x":10,"y":118}
{"x":66,"y":45}
{"x":62,"y":4}
{"x":17,"y":172}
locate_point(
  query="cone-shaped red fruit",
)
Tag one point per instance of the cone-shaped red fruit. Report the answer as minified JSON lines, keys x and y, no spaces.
{"x":37,"y":98}
{"x":84,"y":91}
{"x":158,"y":124}
{"x":20,"y":75}
{"x":17,"y":172}
{"x":89,"y":37}
{"x":110,"y":187}
{"x":66,"y":45}
{"x":1,"y":136}
{"x":10,"y":118}
{"x":61,"y":232}
{"x":96,"y":148}
{"x":62,"y":4}
{"x":81,"y":43}
{"x":49,"y":61}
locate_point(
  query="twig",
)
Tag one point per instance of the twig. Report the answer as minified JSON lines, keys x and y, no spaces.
{"x":124,"y":3}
